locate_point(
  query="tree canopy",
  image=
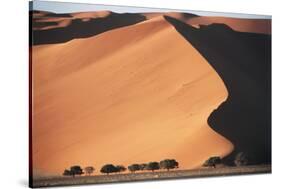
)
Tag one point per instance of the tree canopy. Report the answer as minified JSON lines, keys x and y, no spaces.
{"x":67,"y":173}
{"x":121,"y":168}
{"x":108,"y":168}
{"x":212,"y":161}
{"x":169,"y":164}
{"x":134,"y":167}
{"x":74,"y":170}
{"x":143,"y":166}
{"x":152,"y":166}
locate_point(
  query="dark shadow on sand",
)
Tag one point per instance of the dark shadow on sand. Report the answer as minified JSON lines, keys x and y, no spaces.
{"x":82,"y":29}
{"x":243,"y":61}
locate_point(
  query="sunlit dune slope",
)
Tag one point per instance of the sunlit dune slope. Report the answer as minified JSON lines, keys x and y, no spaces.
{"x":130,"y":95}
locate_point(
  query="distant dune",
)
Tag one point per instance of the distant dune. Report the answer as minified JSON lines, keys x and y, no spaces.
{"x":262,"y":26}
{"x":46,"y":21}
{"x":133,"y":88}
{"x":238,"y":24}
{"x":51,"y":28}
{"x":176,"y":15}
{"x":59,"y":28}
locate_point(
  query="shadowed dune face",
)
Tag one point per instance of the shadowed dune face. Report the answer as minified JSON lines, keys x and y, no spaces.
{"x":51,"y":28}
{"x":59,"y":30}
{"x":122,"y":100}
{"x":45,"y":21}
{"x":243,"y":61}
{"x":176,"y":15}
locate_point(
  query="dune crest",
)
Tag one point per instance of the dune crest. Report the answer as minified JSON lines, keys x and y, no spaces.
{"x":122,"y":100}
{"x":245,"y":67}
{"x":262,"y":26}
{"x":176,"y":15}
{"x":51,"y":28}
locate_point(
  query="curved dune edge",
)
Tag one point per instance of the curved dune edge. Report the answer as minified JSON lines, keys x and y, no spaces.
{"x":133,"y":99}
{"x":47,"y":22}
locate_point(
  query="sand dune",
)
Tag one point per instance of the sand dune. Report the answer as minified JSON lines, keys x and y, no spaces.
{"x":50,"y":28}
{"x":243,"y":61}
{"x":47,"y":20}
{"x":238,"y":24}
{"x":242,"y":25}
{"x":132,"y":88}
{"x":130,"y":95}
{"x":43,"y":20}
{"x":65,"y":27}
{"x":177,"y":15}
{"x":95,"y":14}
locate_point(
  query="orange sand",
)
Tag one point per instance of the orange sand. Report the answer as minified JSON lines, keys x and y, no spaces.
{"x":131,"y":95}
{"x":237,"y":24}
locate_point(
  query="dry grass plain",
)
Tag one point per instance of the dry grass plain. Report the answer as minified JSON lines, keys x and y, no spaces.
{"x":157,"y":175}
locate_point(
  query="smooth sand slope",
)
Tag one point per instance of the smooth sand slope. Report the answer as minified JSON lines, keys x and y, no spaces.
{"x":131,"y":95}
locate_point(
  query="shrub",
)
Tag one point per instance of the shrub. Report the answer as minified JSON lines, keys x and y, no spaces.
{"x":241,"y":159}
{"x":143,"y":166}
{"x":212,"y":162}
{"x":134,"y":167}
{"x":169,"y":164}
{"x":108,"y":168}
{"x":76,"y":170}
{"x":152,"y":166}
{"x":67,"y":173}
{"x":89,"y":170}
{"x":120,"y":168}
